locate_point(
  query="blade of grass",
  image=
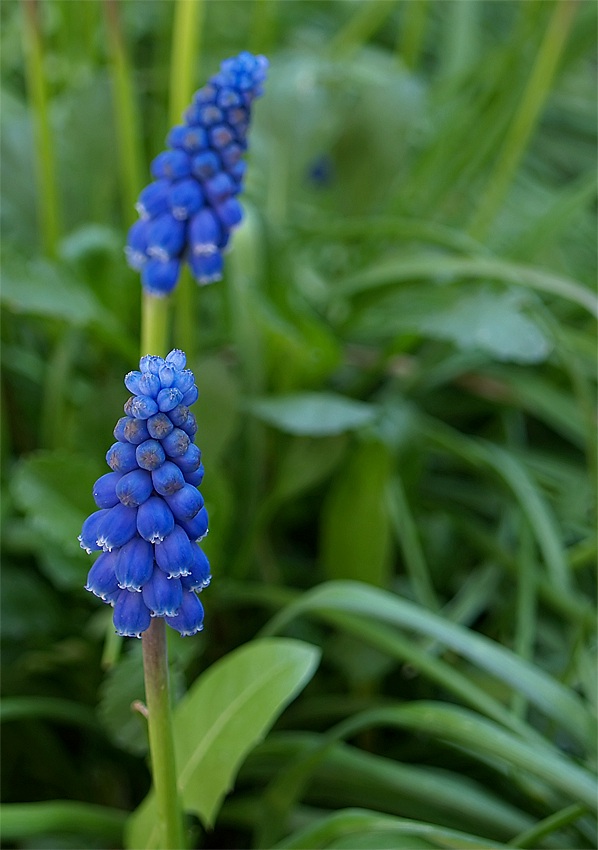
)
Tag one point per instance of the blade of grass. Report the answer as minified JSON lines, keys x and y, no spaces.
{"x":552,"y":698}
{"x":24,"y":820}
{"x":45,"y":161}
{"x":525,"y":615}
{"x":360,"y":27}
{"x":527,"y":115}
{"x":532,"y":836}
{"x":450,"y":269}
{"x":412,"y":32}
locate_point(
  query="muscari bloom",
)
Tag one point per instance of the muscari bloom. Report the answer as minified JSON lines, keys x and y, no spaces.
{"x":151,"y":516}
{"x":188,"y":212}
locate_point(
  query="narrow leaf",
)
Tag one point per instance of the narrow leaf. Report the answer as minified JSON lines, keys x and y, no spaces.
{"x":313,"y":414}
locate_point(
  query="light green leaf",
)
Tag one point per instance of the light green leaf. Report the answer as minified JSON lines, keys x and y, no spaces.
{"x":24,"y":820}
{"x":357,"y":501}
{"x":229,"y":709}
{"x":313,"y":414}
{"x":54,"y":490}
{"x":350,"y":821}
{"x":550,"y":696}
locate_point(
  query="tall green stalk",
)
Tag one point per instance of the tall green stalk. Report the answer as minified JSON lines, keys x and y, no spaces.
{"x":186,"y":44}
{"x":526,"y":117}
{"x":47,"y":195}
{"x":154,"y":340}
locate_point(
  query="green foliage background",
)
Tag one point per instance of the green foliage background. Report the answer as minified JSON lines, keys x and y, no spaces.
{"x":397,"y":415}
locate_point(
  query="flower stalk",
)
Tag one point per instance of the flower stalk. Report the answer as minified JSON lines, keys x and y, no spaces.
{"x":159,"y":719}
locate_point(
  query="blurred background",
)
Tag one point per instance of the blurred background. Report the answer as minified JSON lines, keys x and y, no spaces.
{"x":397,"y":380}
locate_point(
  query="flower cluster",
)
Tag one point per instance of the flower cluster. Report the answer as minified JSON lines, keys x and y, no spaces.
{"x":151,"y":514}
{"x":188,"y":212}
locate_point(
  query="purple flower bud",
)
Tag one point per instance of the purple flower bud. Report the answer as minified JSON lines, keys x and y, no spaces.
{"x":160,"y":278}
{"x":185,"y":503}
{"x":184,"y":380}
{"x":151,"y":364}
{"x":191,"y":396}
{"x":159,"y":426}
{"x":89,"y":532}
{"x":134,"y":563}
{"x":167,"y":479}
{"x":171,"y":165}
{"x":131,"y":614}
{"x":121,"y":457}
{"x":190,"y":461}
{"x":196,"y":528}
{"x":165,"y":237}
{"x":174,"y":554}
{"x":153,"y":200}
{"x":199,"y":577}
{"x":132,"y":382}
{"x":177,"y":358}
{"x":104,"y":490}
{"x":195,"y":478}
{"x":185,"y":198}
{"x":154,"y":519}
{"x":134,"y":488}
{"x":149,"y":384}
{"x":167,"y":374}
{"x":220,"y":136}
{"x":150,"y":455}
{"x":179,"y":414}
{"x":140,"y":407}
{"x":136,"y":250}
{"x":119,"y":429}
{"x":136,"y":431}
{"x":231,"y":155}
{"x":189,"y":619}
{"x":163,"y":595}
{"x":230,"y":212}
{"x":176,"y":443}
{"x":227,"y":97}
{"x":219,"y":188}
{"x":190,"y":426}
{"x":206,"y":268}
{"x":101,"y":579}
{"x":205,"y":233}
{"x":117,"y":528}
{"x":168,"y":398}
{"x":205,"y":165}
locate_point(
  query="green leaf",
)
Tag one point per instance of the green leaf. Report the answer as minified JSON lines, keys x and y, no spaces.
{"x":349,"y":821}
{"x":549,"y":695}
{"x":46,"y":708}
{"x":24,"y":820}
{"x":54,"y":490}
{"x":313,"y":414}
{"x":229,"y":709}
{"x":123,"y":685}
{"x":307,"y":462}
{"x":449,"y":269}
{"x":358,"y":498}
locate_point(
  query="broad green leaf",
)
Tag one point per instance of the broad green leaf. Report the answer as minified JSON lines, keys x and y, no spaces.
{"x":37,"y":287}
{"x":449,"y":269}
{"x":549,"y":695}
{"x":313,"y":414}
{"x":54,"y":490}
{"x":226,"y":713}
{"x":355,"y":530}
{"x":307,"y":461}
{"x":482,"y":738}
{"x":25,"y":820}
{"x":350,"y":821}
{"x":47,"y":708}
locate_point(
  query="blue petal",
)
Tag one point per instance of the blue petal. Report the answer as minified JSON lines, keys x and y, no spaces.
{"x":101,"y":579}
{"x":117,"y":527}
{"x":173,"y":555}
{"x":162,"y":595}
{"x":131,"y":614}
{"x":121,"y":457}
{"x":189,"y":619}
{"x":167,"y":479}
{"x":176,"y":443}
{"x":134,"y":563}
{"x":185,"y":503}
{"x":150,"y":455}
{"x":134,"y":488}
{"x":154,"y":519}
{"x":104,"y":490}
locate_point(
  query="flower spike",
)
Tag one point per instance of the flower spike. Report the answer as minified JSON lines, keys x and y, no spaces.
{"x":188,"y":213}
{"x":150,"y":511}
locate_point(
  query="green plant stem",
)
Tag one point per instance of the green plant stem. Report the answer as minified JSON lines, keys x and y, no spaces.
{"x":127,"y":123}
{"x":532,"y":836}
{"x":157,"y":695}
{"x":154,"y":324}
{"x":411,"y":42}
{"x":525,"y":119}
{"x":186,"y":43}
{"x":47,"y":195}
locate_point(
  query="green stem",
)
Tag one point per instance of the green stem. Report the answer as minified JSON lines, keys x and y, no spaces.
{"x":532,"y":836}
{"x":127,"y":124}
{"x":47,"y":195}
{"x":186,"y":41}
{"x":526,"y":117}
{"x":415,"y":19}
{"x":154,"y":324}
{"x":157,"y":695}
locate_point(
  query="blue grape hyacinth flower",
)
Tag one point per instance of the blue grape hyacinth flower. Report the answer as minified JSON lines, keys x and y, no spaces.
{"x":188,"y":213}
{"x":151,"y":516}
